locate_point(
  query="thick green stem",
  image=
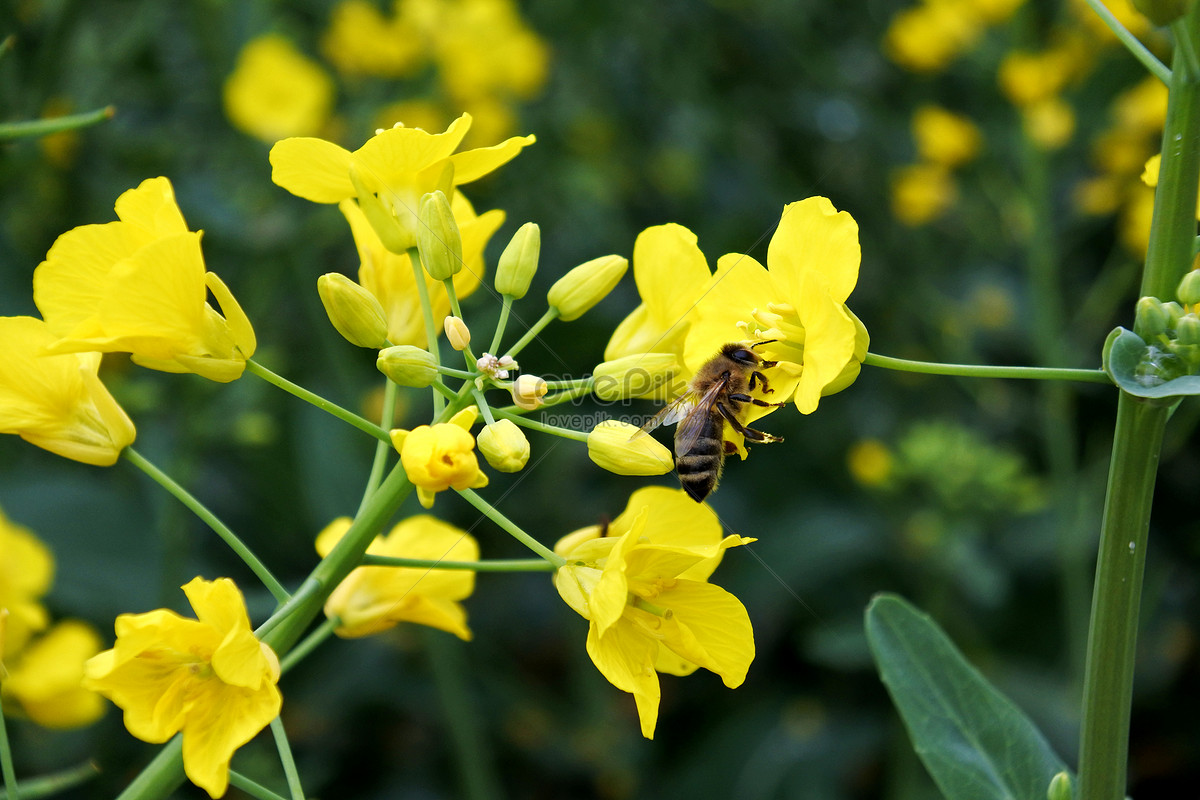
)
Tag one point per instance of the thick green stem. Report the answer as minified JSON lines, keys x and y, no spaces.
{"x":1112,"y":637}
{"x":987,"y":371}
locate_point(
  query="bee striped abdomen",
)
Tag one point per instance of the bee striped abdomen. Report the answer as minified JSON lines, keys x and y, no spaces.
{"x":700,"y":468}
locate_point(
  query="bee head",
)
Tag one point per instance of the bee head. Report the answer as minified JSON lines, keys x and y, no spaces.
{"x":744,"y":354}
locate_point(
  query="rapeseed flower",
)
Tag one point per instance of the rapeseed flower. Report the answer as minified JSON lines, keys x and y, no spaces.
{"x":209,"y":678}
{"x":440,"y":456}
{"x":395,"y":168}
{"x":362,"y":41}
{"x":642,"y":584}
{"x":26,"y":573}
{"x":275,"y":91}
{"x":139,"y":286}
{"x":45,"y":679}
{"x":57,"y":402}
{"x":945,"y":138}
{"x":921,"y":193}
{"x":373,"y":599}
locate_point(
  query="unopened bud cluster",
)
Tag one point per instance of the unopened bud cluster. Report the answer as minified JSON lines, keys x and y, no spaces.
{"x":1172,"y":332}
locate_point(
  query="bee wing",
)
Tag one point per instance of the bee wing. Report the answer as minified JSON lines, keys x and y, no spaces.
{"x":674,"y":411}
{"x":694,"y":423}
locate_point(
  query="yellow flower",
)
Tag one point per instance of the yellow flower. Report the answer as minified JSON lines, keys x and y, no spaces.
{"x":210,"y":678}
{"x":1027,"y":78}
{"x":57,"y":402}
{"x":399,"y":165}
{"x":139,"y":286}
{"x":921,"y":193}
{"x":484,"y":49}
{"x":362,"y":41}
{"x":642,"y":585}
{"x":390,"y":277}
{"x":441,"y":456}
{"x":944,"y":137}
{"x":926,"y":38}
{"x":26,"y":572}
{"x":373,"y":599}
{"x":46,"y":679}
{"x":870,"y":462}
{"x":1049,"y":123}
{"x":275,"y":91}
{"x":798,"y":300}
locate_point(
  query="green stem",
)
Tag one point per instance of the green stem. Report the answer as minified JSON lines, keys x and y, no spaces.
{"x":196,"y":507}
{"x":540,"y":427}
{"x":1139,"y":50}
{"x":482,"y":403}
{"x":308,"y":644}
{"x":55,"y":783}
{"x":285,"y":757}
{"x":6,"y":760}
{"x":45,"y":127}
{"x":985,"y":371}
{"x":550,"y":315}
{"x":431,"y":336}
{"x":1137,"y":442}
{"x":505,"y":309}
{"x":252,"y":788}
{"x":491,"y":565}
{"x":504,"y":522}
{"x":160,"y":777}
{"x":382,"y":449}
{"x":259,"y":370}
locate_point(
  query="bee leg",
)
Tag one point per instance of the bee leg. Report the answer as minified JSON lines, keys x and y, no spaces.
{"x":750,"y":433}
{"x":758,"y":376}
{"x":745,"y":398}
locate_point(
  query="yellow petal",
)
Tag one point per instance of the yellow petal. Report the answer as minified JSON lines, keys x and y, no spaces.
{"x":71,"y":282}
{"x":474,"y":164}
{"x":813,"y":236}
{"x":152,"y":207}
{"x":222,"y":719}
{"x":738,"y":287}
{"x":670,"y":272}
{"x":709,"y":627}
{"x":332,"y":534}
{"x":393,"y":157}
{"x":311,"y":168}
{"x":239,"y":324}
{"x":48,"y":679}
{"x":218,"y":604}
{"x":830,"y":338}
{"x":625,"y":657}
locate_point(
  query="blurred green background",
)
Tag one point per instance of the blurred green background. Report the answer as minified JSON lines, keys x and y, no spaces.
{"x":977,"y":500}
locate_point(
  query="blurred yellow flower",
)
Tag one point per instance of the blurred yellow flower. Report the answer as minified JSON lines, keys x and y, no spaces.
{"x":1134,"y":224}
{"x":484,"y":49}
{"x":1027,"y":78}
{"x":390,"y":277}
{"x":398,"y":165}
{"x":374,"y":599}
{"x":870,"y":462}
{"x":209,"y":677}
{"x":944,"y":137}
{"x":362,"y":41}
{"x":927,"y":37}
{"x":46,"y":679}
{"x":26,"y":573}
{"x":1048,"y":123}
{"x":921,"y":193}
{"x":57,"y":402}
{"x":139,"y":286}
{"x":440,"y":456}
{"x":275,"y":91}
{"x":642,"y":584}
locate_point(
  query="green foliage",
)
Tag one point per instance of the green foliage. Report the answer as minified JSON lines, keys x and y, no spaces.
{"x":975,"y":742}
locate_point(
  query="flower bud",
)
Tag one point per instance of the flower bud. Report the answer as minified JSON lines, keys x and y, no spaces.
{"x":637,"y":375}
{"x":1150,"y":318}
{"x":438,"y":239}
{"x":504,"y":446}
{"x":457,"y":333}
{"x":354,"y":311}
{"x":589,"y":283}
{"x":528,"y":391}
{"x":1187,"y":330}
{"x":393,"y":235}
{"x":1174,"y":311}
{"x":1189,"y":288}
{"x":627,"y":450}
{"x":1060,"y":787}
{"x":519,"y":261}
{"x":406,"y":365}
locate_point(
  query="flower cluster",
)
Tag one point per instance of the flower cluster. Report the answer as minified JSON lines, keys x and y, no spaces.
{"x":41,"y":666}
{"x":945,"y":141}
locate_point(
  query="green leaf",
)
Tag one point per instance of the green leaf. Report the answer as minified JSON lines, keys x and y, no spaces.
{"x":975,"y":743}
{"x":1144,"y":370}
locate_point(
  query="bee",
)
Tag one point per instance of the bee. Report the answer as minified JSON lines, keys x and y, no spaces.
{"x":717,"y":394}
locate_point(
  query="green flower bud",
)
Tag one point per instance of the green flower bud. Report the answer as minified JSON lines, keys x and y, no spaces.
{"x":519,"y":261}
{"x":1150,"y":318}
{"x":504,"y":446}
{"x":394,"y":235}
{"x":1189,"y":288}
{"x":1060,"y":787}
{"x":589,"y":283}
{"x":406,"y":365}
{"x":354,"y":311}
{"x":1187,"y":330}
{"x":638,"y":375}
{"x":438,"y":239}
{"x":457,"y":333}
{"x":627,"y":450}
{"x":1173,"y":311}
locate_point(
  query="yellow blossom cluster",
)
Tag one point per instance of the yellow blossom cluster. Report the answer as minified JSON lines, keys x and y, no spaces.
{"x":928,"y":36}
{"x":41,"y":665}
{"x":923,"y":191}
